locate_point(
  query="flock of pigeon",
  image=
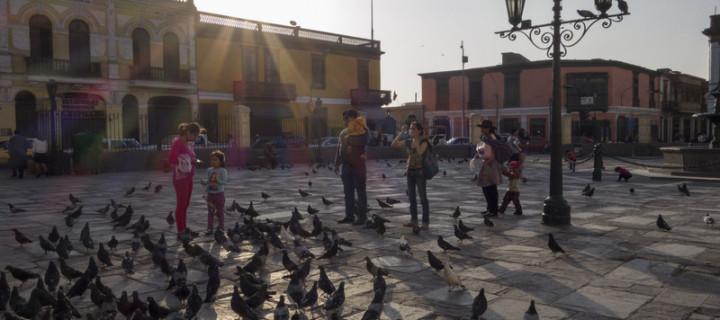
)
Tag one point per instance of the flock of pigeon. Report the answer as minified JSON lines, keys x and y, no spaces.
{"x":49,"y":300}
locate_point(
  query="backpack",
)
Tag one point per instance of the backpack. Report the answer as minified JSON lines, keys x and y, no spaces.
{"x":502,"y":150}
{"x":430,"y":163}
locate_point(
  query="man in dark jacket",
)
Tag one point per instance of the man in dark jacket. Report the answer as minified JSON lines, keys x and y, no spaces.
{"x":18,"y":154}
{"x":351,"y":157}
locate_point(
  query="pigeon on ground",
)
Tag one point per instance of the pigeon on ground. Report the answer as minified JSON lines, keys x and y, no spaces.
{"x":52,"y":277}
{"x":303,"y":193}
{"x":158,"y":188}
{"x":54,"y":235}
{"x":451,"y":277}
{"x":554,"y":246}
{"x":445,"y":245}
{"x":708,"y":219}
{"x":456,"y":213}
{"x":383,"y":205}
{"x":130,"y":191}
{"x":632,"y":190}
{"x":373,"y":269}
{"x":104,"y":256}
{"x":587,"y":188}
{"x":194,"y":303}
{"x":531,"y":313}
{"x":281,"y":311}
{"x":20,"y":237}
{"x":684,"y":189}
{"x":128,"y":264}
{"x":240,"y":307}
{"x":460,"y":234}
{"x":661,"y":224}
{"x":170,"y":219}
{"x":104,"y":210}
{"x":590,"y":192}
{"x":264,"y":195}
{"x":295,"y":290}
{"x":73,"y":199}
{"x":157,"y":311}
{"x":479,"y":305}
{"x":404,"y":246}
{"x":391,"y":201}
{"x":45,"y":244}
{"x":68,"y":271}
{"x":337,"y":298}
{"x":326,"y":201}
{"x":312,"y":210}
{"x":113,"y":243}
{"x":463,"y":227}
{"x":324,"y":282}
{"x":147,"y":186}
{"x":435,"y":263}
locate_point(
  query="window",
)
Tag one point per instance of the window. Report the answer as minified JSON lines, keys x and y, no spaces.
{"x":584,"y":85}
{"x":512,"y":90}
{"x":171,"y":56}
{"x":271,"y":72}
{"x":79,"y":41}
{"x":507,"y":125}
{"x":476,"y":94}
{"x":318,"y":71}
{"x":250,"y":64}
{"x":537,"y":128}
{"x":141,"y":51}
{"x":41,"y":44}
{"x":442,"y":94}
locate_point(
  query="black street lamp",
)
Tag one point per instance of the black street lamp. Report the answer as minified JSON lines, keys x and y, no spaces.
{"x":555,"y":39}
{"x":51,"y":86}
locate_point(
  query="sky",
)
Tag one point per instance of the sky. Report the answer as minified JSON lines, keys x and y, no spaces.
{"x":422,"y":36}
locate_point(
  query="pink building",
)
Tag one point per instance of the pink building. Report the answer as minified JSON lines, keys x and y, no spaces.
{"x":605,"y":100}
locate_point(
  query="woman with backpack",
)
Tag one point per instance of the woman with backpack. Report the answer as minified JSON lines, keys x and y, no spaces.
{"x":416,"y":147}
{"x":490,"y":174}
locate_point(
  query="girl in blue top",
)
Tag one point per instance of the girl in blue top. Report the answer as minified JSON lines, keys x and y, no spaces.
{"x":215,"y":186}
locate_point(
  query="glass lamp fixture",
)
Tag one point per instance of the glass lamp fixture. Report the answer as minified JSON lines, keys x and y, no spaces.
{"x":603,"y":6}
{"x":515,"y":11}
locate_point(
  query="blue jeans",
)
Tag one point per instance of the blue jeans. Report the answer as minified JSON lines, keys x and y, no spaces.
{"x":417,"y":178}
{"x":353,"y":179}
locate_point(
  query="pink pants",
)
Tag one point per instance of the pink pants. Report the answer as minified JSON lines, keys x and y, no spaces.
{"x":216,"y":203}
{"x":183,"y":191}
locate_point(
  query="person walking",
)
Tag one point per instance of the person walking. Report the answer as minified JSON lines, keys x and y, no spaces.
{"x":524,"y":144}
{"x":515,"y":145}
{"x":40,"y":156}
{"x":17,"y":154}
{"x":491,"y":171}
{"x":215,"y":187}
{"x":350,"y":155}
{"x":416,"y":147}
{"x":513,"y":190}
{"x":182,"y":158}
{"x":270,"y":155}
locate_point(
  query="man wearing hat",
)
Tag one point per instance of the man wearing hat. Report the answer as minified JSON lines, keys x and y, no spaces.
{"x":350,"y":156}
{"x":490,"y":174}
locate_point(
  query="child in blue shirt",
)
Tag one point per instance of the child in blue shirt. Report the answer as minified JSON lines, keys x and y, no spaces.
{"x":215,"y":187}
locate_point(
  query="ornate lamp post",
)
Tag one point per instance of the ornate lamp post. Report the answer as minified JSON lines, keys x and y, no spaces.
{"x":51,"y":87}
{"x":555,"y":39}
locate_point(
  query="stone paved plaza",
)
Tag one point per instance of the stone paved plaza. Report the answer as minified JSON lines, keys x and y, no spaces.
{"x":618,"y":266}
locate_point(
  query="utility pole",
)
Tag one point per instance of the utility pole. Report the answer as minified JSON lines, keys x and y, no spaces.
{"x":464,"y":61}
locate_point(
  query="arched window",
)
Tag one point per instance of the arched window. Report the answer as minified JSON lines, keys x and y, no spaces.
{"x":41,"y":45}
{"x":171,"y":56}
{"x":79,"y":40}
{"x":141,"y":53}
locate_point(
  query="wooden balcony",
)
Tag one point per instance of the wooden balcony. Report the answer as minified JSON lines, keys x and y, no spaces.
{"x":159,"y":74}
{"x":263,"y":91}
{"x":57,"y":67}
{"x":370,"y":97}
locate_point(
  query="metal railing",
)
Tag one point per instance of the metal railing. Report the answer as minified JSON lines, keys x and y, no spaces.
{"x":60,"y":67}
{"x":159,"y":74}
{"x":254,"y":90}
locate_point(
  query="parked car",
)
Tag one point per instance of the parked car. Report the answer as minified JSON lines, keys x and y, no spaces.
{"x":5,"y":145}
{"x":324,"y":142}
{"x":581,"y":140}
{"x":121,"y":144}
{"x":538,"y":144}
{"x":295,"y":141}
{"x":278,"y":142}
{"x":458,"y":140}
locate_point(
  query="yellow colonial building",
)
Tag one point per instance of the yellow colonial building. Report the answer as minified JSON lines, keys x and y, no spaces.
{"x":135,"y":69}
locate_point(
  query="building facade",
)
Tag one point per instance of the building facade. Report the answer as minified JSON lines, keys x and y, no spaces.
{"x":135,"y":69}
{"x":604,"y":100}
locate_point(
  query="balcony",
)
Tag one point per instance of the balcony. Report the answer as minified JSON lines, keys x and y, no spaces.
{"x":57,"y":67}
{"x":159,"y":74}
{"x":263,"y":91}
{"x":370,"y":97}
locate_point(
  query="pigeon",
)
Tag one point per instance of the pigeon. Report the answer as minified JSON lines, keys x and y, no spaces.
{"x":373,"y":269}
{"x":586,"y":189}
{"x":590,"y":192}
{"x":104,"y":210}
{"x":68,"y":271}
{"x":554,"y":246}
{"x":331,"y":252}
{"x":213,"y":283}
{"x":312,"y":210}
{"x":531,"y":313}
{"x":479,"y":305}
{"x":281,"y":311}
{"x":463,"y":227}
{"x":69,"y":222}
{"x":295,"y":290}
{"x":79,"y":287}
{"x":475,"y":177}
{"x":303,"y":193}
{"x":113,"y":243}
{"x":147,"y":186}
{"x":684,"y":189}
{"x":194,"y":303}
{"x":336,"y":299}
{"x":445,"y":245}
{"x":435,"y":263}
{"x":54,"y":235}
{"x":264,"y":195}
{"x":301,"y":251}
{"x":73,"y":199}
{"x":52,"y":277}
{"x":240,"y":307}
{"x":456,"y":213}
{"x":130,"y":191}
{"x":45,"y":244}
{"x":87,"y":241}
{"x":586,"y":14}
{"x":487,"y":222}
{"x":104,"y":256}
{"x":383,"y":176}
{"x":632,"y":190}
{"x":20,"y":237}
{"x":404,"y":246}
{"x":309,"y":183}
{"x":158,"y":188}
{"x":661,"y":224}
{"x":391,"y":201}
{"x":310,"y":297}
{"x":383,"y":205}
{"x":182,"y":294}
{"x":170,"y":219}
{"x":460,"y":234}
{"x":451,"y":277}
{"x":324,"y":282}
{"x":124,"y":306}
{"x":326,"y":201}
{"x":92,"y":269}
{"x":128,"y":264}
{"x":708,"y":219}
{"x":157,"y":311}
{"x":623,"y":6}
